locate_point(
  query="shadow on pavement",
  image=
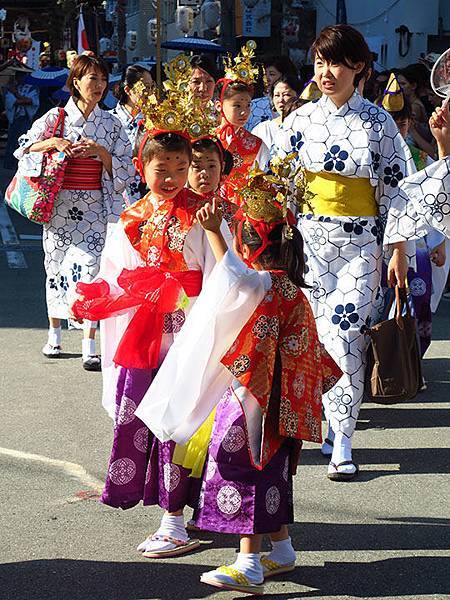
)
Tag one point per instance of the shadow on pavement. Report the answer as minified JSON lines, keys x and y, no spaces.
{"x":89,"y":580}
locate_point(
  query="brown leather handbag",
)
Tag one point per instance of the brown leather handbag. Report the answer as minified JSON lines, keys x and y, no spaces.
{"x":393,"y":359}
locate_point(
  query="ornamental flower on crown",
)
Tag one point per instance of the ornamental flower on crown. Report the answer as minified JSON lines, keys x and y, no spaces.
{"x":241,"y":68}
{"x":179,"y":110}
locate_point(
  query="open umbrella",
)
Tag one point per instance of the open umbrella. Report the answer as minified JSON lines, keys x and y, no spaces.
{"x":193,"y":44}
{"x":48,"y":77}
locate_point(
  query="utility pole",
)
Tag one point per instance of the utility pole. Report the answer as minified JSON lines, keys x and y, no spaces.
{"x":228,"y":25}
{"x":121,"y":27}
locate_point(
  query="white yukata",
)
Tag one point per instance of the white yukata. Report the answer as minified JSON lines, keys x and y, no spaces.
{"x":131,"y":125}
{"x":268,"y":132}
{"x":74,"y":238}
{"x":260,"y":110}
{"x":344,"y":253}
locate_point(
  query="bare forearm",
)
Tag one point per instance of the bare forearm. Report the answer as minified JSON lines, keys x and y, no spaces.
{"x":217,"y":243}
{"x":443,"y":148}
{"x":42,"y":146}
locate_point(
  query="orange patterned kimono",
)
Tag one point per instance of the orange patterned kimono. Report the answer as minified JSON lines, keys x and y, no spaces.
{"x":244,"y":146}
{"x":158,"y":234}
{"x":279,"y":359}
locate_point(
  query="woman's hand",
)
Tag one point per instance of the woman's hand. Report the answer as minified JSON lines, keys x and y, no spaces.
{"x":62,"y":145}
{"x":87,"y":148}
{"x":210,"y":217}
{"x":398,"y":266}
{"x":440,"y":128}
{"x":438,"y":254}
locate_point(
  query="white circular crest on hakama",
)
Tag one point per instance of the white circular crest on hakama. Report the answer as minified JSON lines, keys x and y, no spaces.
{"x":229,"y":500}
{"x":140,"y":439}
{"x":211,"y":468}
{"x":122,"y":471}
{"x":234,"y":439}
{"x":126,"y":411}
{"x":286,"y":469}
{"x":272,"y":500}
{"x":172,"y":476}
{"x":417,"y":286}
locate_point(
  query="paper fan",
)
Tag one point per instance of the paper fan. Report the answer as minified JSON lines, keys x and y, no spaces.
{"x":440,"y":75}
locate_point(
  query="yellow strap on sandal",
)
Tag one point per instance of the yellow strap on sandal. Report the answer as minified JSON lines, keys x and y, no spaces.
{"x":270,"y":565}
{"x":236,"y":575}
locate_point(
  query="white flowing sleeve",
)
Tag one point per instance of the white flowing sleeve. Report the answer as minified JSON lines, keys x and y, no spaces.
{"x":118,"y":254}
{"x":398,"y":215}
{"x":429,"y":191}
{"x":197,"y":251}
{"x":263,"y":157}
{"x":191,"y":379}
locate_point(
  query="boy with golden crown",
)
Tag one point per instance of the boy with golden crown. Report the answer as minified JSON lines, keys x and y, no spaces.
{"x":153,"y":269}
{"x":249,"y":355}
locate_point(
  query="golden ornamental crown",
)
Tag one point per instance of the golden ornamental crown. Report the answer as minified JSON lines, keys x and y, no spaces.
{"x":178,"y":110}
{"x":240,"y":68}
{"x":270,"y":196}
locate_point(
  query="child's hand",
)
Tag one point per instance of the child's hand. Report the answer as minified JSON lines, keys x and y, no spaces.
{"x":210,"y":217}
{"x":438,"y":254}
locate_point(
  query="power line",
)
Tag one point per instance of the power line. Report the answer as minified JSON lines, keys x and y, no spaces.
{"x":384,"y":12}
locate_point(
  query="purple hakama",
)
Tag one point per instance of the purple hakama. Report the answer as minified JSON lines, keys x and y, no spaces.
{"x":236,"y":497}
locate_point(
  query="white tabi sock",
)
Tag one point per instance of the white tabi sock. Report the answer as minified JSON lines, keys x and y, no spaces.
{"x":88,"y":348}
{"x":250,"y":565}
{"x":54,"y":336}
{"x":173,"y":526}
{"x":283,"y":552}
{"x":342,"y":449}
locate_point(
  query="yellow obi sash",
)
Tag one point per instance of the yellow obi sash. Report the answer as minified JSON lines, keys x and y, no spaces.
{"x":339,"y":196}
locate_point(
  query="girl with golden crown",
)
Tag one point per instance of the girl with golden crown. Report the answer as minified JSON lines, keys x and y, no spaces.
{"x":427,"y":281}
{"x":249,"y":356}
{"x":153,"y":268}
{"x":235,"y":92}
{"x":355,"y":159}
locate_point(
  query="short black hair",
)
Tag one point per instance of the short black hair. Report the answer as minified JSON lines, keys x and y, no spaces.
{"x":207,"y":143}
{"x":163,"y":142}
{"x":205,"y":63}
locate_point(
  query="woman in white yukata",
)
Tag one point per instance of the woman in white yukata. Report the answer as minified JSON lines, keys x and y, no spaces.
{"x":355,"y":159}
{"x":129,"y":115}
{"x":98,"y":169}
{"x":429,"y":189}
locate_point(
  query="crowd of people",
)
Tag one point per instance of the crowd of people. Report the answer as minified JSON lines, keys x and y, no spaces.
{"x":235,"y":252}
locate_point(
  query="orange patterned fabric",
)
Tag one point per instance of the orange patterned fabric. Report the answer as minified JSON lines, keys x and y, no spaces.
{"x":159,"y":235}
{"x":283,"y":326}
{"x":244,"y":146}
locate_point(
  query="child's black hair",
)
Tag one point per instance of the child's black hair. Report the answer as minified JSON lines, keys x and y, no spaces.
{"x":163,"y":142}
{"x":284,"y":252}
{"x":404,"y":113}
{"x":130,"y":76}
{"x":210,"y":144}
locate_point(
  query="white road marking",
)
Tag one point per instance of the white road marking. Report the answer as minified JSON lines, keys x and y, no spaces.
{"x":15,"y":258}
{"x":69,"y":468}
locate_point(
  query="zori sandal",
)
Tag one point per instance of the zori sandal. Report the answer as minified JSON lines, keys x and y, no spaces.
{"x":229,"y":578}
{"x":344,"y":475}
{"x":168,"y":546}
{"x":272,"y":568}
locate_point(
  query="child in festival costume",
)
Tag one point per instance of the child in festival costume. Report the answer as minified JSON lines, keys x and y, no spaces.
{"x":251,"y":349}
{"x":235,"y":93}
{"x":427,"y":281}
{"x":155,"y":259}
{"x":211,"y":164}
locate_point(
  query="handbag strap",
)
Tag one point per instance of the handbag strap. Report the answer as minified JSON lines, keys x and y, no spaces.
{"x":58,"y":128}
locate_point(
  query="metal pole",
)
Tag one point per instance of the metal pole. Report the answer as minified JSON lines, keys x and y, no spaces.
{"x":228,"y":25}
{"x":158,"y":44}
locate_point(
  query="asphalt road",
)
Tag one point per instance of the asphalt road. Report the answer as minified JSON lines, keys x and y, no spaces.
{"x":383,"y":536}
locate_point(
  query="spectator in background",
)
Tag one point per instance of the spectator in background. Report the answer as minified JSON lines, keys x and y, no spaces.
{"x":21,"y":104}
{"x":204,"y":77}
{"x":261,"y":108}
{"x":128,"y":113}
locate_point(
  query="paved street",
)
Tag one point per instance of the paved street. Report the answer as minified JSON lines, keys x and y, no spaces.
{"x":383,"y":536}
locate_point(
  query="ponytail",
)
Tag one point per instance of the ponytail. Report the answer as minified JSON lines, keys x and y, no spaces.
{"x":292,"y":255}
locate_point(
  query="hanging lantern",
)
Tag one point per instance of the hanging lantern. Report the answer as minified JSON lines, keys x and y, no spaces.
{"x":131,"y":40}
{"x":104,"y":45}
{"x":184,"y":18}
{"x":210,"y":13}
{"x":152,"y":28}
